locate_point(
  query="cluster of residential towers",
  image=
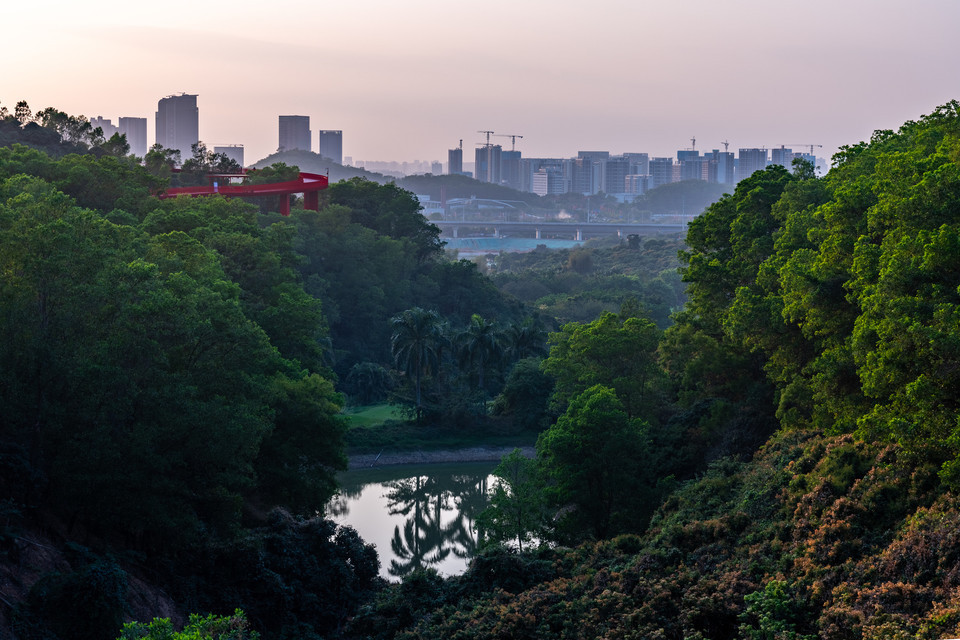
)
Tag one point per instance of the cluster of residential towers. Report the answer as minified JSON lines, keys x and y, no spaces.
{"x":626,"y":175}
{"x":178,"y":127}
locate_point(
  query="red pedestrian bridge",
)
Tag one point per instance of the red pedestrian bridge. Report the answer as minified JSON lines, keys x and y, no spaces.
{"x":309,"y":184}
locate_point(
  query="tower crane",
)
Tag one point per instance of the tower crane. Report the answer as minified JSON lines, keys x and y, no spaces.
{"x":489,"y":133}
{"x":726,"y":146}
{"x":513,"y":139}
{"x":807,"y":145}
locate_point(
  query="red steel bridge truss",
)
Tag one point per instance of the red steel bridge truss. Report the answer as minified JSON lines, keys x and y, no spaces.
{"x":309,"y":184}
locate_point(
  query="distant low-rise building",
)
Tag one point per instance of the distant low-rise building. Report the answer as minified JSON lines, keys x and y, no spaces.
{"x":232,"y":151}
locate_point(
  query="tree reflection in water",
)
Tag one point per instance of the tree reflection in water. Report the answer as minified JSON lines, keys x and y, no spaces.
{"x":431,"y":509}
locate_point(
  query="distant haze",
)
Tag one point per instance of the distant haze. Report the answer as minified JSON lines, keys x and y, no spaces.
{"x":408,"y":80}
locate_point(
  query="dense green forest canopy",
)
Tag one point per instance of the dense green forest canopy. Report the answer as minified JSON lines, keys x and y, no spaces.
{"x":779,"y":458}
{"x":578,"y":285}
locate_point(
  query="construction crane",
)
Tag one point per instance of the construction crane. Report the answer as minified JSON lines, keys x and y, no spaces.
{"x":726,"y":146}
{"x":807,"y":145}
{"x":489,"y":133}
{"x":513,"y":139}
{"x":693,"y":141}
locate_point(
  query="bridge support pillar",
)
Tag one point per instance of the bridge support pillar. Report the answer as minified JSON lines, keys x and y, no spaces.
{"x":538,"y":233}
{"x":311,"y":200}
{"x":579,"y":234}
{"x":456,"y":232}
{"x":496,"y":232}
{"x":285,"y":204}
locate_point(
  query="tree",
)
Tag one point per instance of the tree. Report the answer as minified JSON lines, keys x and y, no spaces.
{"x":524,"y":340}
{"x":618,"y":353}
{"x":594,"y":458}
{"x":22,"y":112}
{"x":390,"y":211}
{"x":478,"y":346}
{"x":518,"y":508}
{"x":525,"y":398}
{"x":210,"y":627}
{"x":160,"y":161}
{"x":415,"y":343}
{"x":202,"y":162}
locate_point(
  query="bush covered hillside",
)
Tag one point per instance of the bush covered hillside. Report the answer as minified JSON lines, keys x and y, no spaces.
{"x":823,"y":316}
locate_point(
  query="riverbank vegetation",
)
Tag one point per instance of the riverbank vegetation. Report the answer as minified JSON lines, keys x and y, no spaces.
{"x":770,"y":452}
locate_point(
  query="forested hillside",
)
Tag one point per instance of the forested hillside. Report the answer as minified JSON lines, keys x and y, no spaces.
{"x":776,"y":455}
{"x":824,"y":319}
{"x":171,"y":384}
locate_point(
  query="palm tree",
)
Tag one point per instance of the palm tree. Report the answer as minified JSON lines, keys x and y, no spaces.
{"x":524,"y":339}
{"x":415,"y":342}
{"x":478,"y":344}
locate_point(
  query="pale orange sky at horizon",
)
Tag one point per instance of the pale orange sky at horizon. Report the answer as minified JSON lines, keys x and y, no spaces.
{"x":408,"y":80}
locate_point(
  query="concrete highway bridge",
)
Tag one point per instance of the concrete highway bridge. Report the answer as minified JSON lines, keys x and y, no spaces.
{"x":578,"y":231}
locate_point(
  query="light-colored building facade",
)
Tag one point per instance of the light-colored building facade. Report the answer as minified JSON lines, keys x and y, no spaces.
{"x":178,"y":123}
{"x":294,"y":133}
{"x":136,"y":131}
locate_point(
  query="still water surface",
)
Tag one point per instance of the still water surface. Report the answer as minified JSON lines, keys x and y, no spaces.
{"x":416,"y":515}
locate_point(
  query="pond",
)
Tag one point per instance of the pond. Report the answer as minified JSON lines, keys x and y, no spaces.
{"x":418,"y":516}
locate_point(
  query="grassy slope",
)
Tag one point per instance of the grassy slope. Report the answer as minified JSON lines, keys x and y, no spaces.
{"x":381,"y":427}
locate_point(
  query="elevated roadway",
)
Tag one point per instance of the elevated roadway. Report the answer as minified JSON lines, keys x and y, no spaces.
{"x":557,"y":229}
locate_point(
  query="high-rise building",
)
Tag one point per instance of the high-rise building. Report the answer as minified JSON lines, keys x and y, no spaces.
{"x":809,"y":157}
{"x":331,"y":144}
{"x":782,"y":156}
{"x":719,"y":166}
{"x":294,"y":133}
{"x":510,"y":169}
{"x":589,"y":172}
{"x":640,"y":162}
{"x":691,"y":165}
{"x":617,"y":170}
{"x":178,"y":123}
{"x":232,"y":151}
{"x":105,"y":126}
{"x":455,"y":160}
{"x":661,"y":172}
{"x":637,"y":184}
{"x":544,"y":176}
{"x":750,"y":160}
{"x":488,"y":159}
{"x":136,"y":131}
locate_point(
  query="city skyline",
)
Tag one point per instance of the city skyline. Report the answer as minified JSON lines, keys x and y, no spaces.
{"x":409,"y":81}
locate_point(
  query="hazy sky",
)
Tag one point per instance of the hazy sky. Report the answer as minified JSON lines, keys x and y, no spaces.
{"x":407,"y":80}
